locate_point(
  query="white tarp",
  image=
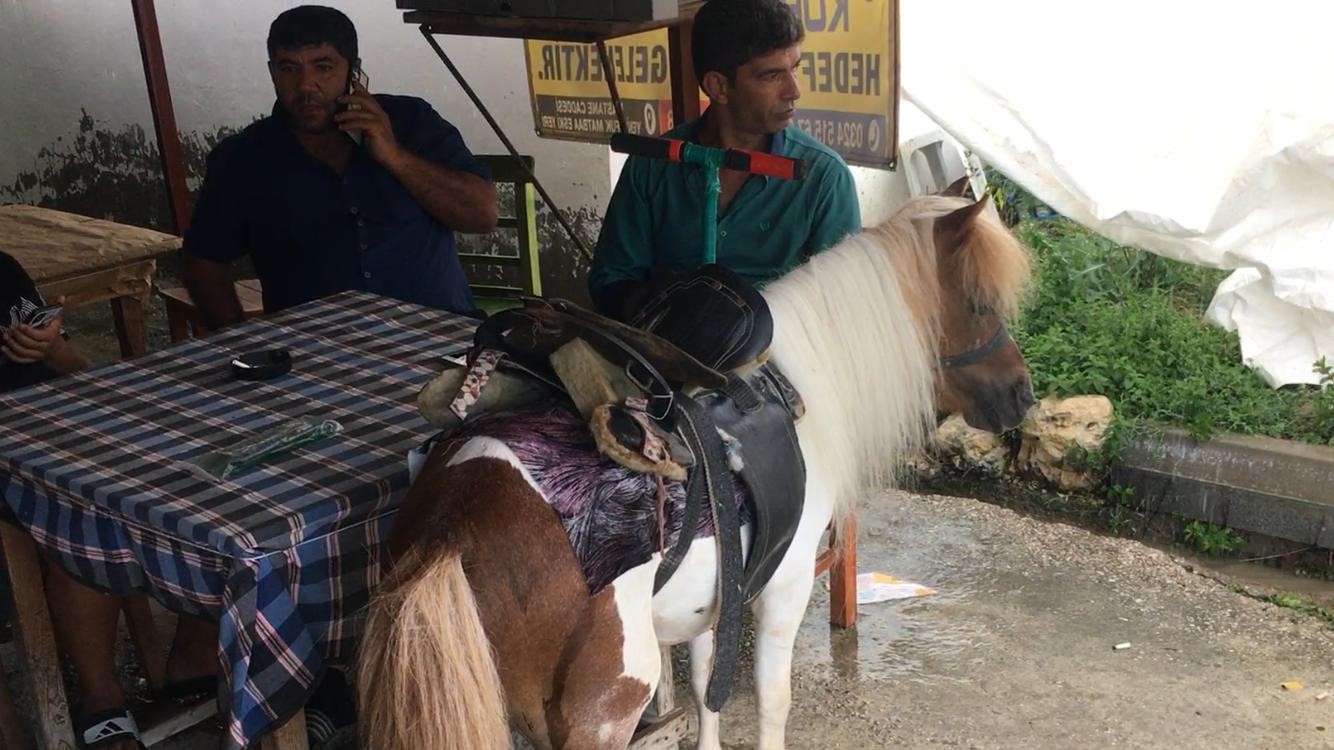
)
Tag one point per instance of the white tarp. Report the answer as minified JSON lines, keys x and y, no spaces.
{"x":1199,"y":131}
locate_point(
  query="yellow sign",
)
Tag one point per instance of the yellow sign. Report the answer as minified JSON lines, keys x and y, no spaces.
{"x":570,"y":95}
{"x":848,"y":74}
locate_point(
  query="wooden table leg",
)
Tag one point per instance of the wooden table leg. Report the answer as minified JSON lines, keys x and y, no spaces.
{"x":178,"y":319}
{"x":38,"y":640}
{"x":843,"y":579}
{"x":289,"y":736}
{"x":130,"y":327}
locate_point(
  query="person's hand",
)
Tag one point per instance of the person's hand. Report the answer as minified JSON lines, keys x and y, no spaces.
{"x":371,"y":119}
{"x":25,"y":344}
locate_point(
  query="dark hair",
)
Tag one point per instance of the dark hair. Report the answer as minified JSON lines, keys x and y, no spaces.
{"x":308,"y":25}
{"x":729,"y":33}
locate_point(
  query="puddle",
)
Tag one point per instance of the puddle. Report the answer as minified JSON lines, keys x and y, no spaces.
{"x":922,"y":638}
{"x":1255,"y":574}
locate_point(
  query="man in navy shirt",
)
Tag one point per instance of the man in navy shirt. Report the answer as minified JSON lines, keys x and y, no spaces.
{"x":319,"y":214}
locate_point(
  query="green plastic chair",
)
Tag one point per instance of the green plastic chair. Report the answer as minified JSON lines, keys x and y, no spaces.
{"x":498,"y":280}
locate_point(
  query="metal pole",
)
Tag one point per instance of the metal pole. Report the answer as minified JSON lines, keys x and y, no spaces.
{"x":164,"y":118}
{"x":426,"y":32}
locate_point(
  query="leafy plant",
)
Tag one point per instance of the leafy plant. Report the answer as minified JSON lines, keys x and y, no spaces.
{"x":1119,"y":494}
{"x":1324,"y":404}
{"x":1109,"y":319}
{"x":1208,"y":539}
{"x":1120,"y":520}
{"x":1114,"y":442}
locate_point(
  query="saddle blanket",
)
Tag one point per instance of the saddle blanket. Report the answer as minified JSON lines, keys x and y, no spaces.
{"x":608,"y":511}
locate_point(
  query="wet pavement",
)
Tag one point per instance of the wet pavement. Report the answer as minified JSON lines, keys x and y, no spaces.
{"x":1016,"y":648}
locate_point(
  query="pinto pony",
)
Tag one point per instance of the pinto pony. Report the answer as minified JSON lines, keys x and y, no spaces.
{"x":487,"y":619}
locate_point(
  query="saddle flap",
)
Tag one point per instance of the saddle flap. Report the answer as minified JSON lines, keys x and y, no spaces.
{"x":757,"y":415}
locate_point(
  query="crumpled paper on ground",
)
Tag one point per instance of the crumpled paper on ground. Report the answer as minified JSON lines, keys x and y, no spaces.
{"x":881,"y":587}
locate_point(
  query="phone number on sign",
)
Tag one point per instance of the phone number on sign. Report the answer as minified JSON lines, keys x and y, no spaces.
{"x":841,"y":134}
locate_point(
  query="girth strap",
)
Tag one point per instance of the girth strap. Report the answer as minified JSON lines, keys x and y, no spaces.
{"x":694,"y":506}
{"x":700,"y":433}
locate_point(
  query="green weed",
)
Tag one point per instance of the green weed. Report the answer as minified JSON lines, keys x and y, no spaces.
{"x":1208,"y":539}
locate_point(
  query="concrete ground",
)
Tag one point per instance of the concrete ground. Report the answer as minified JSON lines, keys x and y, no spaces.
{"x":1016,"y":648}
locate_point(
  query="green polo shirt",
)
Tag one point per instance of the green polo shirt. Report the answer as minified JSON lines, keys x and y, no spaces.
{"x":655,"y":216}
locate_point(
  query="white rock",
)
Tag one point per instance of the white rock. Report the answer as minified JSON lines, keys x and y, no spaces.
{"x":1054,"y":426}
{"x":970,"y":449}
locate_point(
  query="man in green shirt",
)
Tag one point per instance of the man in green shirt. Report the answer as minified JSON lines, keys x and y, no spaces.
{"x":746,"y":54}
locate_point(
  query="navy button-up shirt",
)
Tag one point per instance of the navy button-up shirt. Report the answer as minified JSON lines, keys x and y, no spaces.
{"x":312,"y":232}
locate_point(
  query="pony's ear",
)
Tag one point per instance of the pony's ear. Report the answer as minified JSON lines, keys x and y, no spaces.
{"x":957,"y":189}
{"x":956,"y":224}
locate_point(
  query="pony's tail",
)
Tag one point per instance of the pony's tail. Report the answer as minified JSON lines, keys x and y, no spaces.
{"x":426,"y":677}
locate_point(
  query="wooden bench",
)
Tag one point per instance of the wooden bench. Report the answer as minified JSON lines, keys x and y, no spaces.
{"x":841,"y":564}
{"x":183,"y":320}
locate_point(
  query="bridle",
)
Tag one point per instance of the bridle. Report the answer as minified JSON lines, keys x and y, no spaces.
{"x":979,"y":353}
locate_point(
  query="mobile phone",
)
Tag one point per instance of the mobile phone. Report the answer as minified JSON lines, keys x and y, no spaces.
{"x":42,"y":316}
{"x":355,"y":75}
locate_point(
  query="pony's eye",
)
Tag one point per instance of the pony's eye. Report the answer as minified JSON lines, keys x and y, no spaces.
{"x":978,"y":308}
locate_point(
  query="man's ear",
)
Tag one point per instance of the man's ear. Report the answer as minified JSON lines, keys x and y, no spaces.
{"x":715,"y":85}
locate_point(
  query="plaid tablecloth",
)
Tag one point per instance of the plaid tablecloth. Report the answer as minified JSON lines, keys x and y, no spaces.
{"x":283,"y":557}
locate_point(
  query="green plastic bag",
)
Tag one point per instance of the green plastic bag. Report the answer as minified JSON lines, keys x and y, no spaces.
{"x":244,"y":455}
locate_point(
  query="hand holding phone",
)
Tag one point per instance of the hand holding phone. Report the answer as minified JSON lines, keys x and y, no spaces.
{"x":42,"y":316}
{"x":365,"y":120}
{"x":355,"y":77}
{"x":31,"y":337}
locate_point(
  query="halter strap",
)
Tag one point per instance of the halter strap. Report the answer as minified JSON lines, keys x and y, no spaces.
{"x":973,"y":356}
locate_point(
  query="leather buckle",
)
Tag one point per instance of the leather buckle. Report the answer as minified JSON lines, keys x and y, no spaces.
{"x":659,"y":404}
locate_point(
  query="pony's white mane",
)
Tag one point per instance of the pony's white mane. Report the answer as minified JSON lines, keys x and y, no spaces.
{"x":857,"y":333}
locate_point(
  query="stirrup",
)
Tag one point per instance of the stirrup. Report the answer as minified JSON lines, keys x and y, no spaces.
{"x":633,"y":440}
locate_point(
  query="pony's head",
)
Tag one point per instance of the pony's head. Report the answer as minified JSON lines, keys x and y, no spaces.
{"x":980,"y":272}
{"x":961,"y":274}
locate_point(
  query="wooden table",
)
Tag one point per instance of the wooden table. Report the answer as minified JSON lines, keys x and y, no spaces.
{"x":88,"y":260}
